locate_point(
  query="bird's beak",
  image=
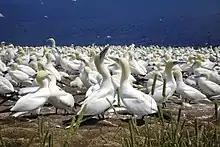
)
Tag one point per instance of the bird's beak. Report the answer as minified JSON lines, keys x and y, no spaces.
{"x":197,"y":76}
{"x":116,"y":59}
{"x":34,"y":76}
{"x":103,"y":52}
{"x":178,"y":62}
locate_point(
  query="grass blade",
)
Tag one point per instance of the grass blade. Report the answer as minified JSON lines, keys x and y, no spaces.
{"x":154,"y":84}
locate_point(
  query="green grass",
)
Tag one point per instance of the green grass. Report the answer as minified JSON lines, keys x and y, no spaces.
{"x":176,"y":133}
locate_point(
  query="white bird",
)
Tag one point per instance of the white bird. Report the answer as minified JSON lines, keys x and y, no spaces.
{"x":99,"y":100}
{"x":26,"y":90}
{"x":5,"y":86}
{"x":24,"y":68}
{"x":208,"y":87}
{"x":170,"y":83}
{"x":92,"y":89}
{"x":215,"y":77}
{"x":65,"y":101}
{"x":116,"y":74}
{"x":135,"y":101}
{"x":197,"y":69}
{"x":50,"y":68}
{"x":89,"y":77}
{"x":33,"y":101}
{"x":71,"y":66}
{"x":186,"y":91}
{"x":19,"y":76}
{"x":3,"y":67}
{"x":135,"y":67}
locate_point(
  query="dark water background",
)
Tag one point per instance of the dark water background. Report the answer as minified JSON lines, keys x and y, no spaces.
{"x":83,"y":22}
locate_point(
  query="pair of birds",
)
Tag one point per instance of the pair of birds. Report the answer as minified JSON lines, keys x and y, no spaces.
{"x":46,"y":91}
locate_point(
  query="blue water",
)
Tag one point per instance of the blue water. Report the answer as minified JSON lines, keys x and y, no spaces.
{"x":83,"y":22}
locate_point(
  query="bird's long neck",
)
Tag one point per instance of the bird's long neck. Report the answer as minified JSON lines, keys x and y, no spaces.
{"x":103,"y":70}
{"x":179,"y":79}
{"x":169,"y":74}
{"x":125,"y":73}
{"x":49,"y":60}
{"x":53,"y":81}
{"x":44,"y":83}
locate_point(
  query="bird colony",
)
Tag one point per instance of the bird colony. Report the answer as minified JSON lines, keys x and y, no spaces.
{"x":137,"y":80}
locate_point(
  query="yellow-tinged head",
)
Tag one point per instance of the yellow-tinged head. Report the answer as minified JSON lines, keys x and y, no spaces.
{"x":159,"y":65}
{"x":100,"y":57}
{"x":32,"y":53}
{"x":123,"y":62}
{"x":49,"y":56}
{"x":40,"y":66}
{"x":176,"y":67}
{"x":31,"y":49}
{"x":197,"y":63}
{"x":126,"y":55}
{"x":177,"y":74}
{"x":116,"y":65}
{"x":41,"y":75}
{"x":46,"y":51}
{"x":170,"y":63}
{"x":77,"y":54}
{"x":201,"y":57}
{"x":167,"y":57}
{"x":19,"y":60}
{"x":14,"y":66}
{"x":92,"y":53}
{"x":21,"y":52}
{"x":73,"y":56}
{"x":191,"y":58}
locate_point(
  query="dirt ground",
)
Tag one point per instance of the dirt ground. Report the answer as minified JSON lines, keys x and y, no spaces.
{"x":16,"y":132}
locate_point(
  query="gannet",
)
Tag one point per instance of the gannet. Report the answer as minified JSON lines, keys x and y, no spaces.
{"x":33,"y":101}
{"x":5,"y":86}
{"x":65,"y":101}
{"x":99,"y":100}
{"x":19,"y":76}
{"x":50,"y":68}
{"x":186,"y":91}
{"x":170,"y":83}
{"x":208,"y":87}
{"x":136,"y":102}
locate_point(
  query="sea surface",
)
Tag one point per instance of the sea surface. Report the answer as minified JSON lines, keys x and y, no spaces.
{"x":83,"y":22}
